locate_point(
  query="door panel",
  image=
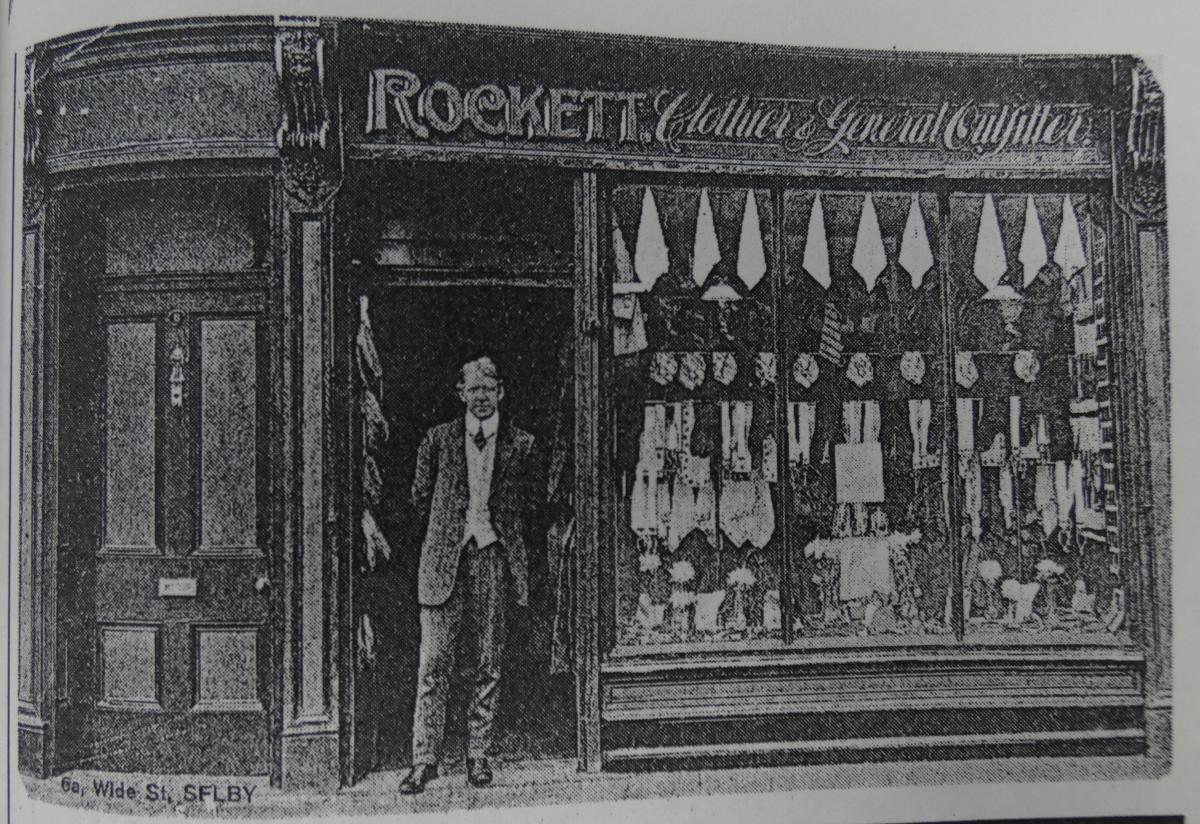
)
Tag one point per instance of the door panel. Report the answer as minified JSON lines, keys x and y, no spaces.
{"x":181,"y":661}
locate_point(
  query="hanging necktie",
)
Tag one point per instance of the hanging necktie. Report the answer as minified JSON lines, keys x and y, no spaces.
{"x":1033,"y":246}
{"x":870,"y":258}
{"x":1068,"y":252}
{"x":816,"y":245}
{"x":650,"y":260}
{"x":705,"y":252}
{"x":752,"y":258}
{"x":916,"y":257}
{"x":480,"y":438}
{"x":990,"y":261}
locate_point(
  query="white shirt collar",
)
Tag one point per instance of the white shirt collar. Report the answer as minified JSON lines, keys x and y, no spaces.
{"x":489,"y":425}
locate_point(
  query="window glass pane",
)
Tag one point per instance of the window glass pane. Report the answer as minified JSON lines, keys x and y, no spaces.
{"x":696,"y":463}
{"x":863,"y":364}
{"x":194,"y":226}
{"x":1031,"y":369}
{"x":228,"y":438}
{"x":129,"y":481}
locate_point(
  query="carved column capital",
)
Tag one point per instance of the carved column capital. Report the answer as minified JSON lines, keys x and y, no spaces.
{"x":33,"y":190}
{"x":308,"y":134}
{"x":1143,"y":165}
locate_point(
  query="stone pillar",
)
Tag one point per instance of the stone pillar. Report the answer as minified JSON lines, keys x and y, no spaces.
{"x":311,"y":174}
{"x":36,"y":671}
{"x":1141,"y":187}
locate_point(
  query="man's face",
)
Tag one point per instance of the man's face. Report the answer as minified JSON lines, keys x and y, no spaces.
{"x":481,"y":394}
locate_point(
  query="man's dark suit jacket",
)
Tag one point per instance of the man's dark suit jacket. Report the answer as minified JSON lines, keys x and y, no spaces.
{"x":440,"y":488}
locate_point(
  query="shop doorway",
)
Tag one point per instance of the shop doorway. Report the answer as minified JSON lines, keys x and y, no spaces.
{"x":422,"y":334}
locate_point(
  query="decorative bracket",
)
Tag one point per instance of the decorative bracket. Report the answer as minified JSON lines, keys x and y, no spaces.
{"x":1145,"y":149}
{"x":308,"y":135}
{"x":33,"y":190}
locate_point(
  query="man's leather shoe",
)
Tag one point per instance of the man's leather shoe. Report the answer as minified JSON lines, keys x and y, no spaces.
{"x":417,"y":778}
{"x":479,"y":772}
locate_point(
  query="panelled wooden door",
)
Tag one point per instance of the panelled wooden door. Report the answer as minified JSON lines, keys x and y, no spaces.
{"x":173,"y":657}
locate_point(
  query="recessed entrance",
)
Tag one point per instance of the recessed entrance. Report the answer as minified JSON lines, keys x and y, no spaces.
{"x":423,"y":333}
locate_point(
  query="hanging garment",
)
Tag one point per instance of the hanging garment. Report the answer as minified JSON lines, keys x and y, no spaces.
{"x":1044,"y":497}
{"x":742,"y":415}
{"x":912,"y":367}
{"x":705,"y":252}
{"x":870,"y":258}
{"x":831,"y":334}
{"x":1075,"y":484}
{"x":965,"y":370}
{"x":651,"y":258}
{"x":858,"y":463}
{"x":916,"y":257}
{"x":624,"y":279}
{"x":920,"y":411}
{"x":692,"y":366}
{"x":663,"y":368}
{"x":968,"y":411}
{"x":653,"y":443}
{"x":375,"y":426}
{"x":865,"y":568}
{"x":772,"y":614}
{"x":1014,"y":421}
{"x":643,"y":503}
{"x":1033,"y":245}
{"x":561,"y":541}
{"x":708,"y":607}
{"x":802,"y":421}
{"x":1063,"y":498}
{"x":859,"y":370}
{"x":971,"y":473}
{"x":738,"y":510}
{"x":365,"y":638}
{"x":369,"y":366}
{"x":682,"y":518}
{"x":816,"y":245}
{"x":1086,"y":431}
{"x":374,"y":544}
{"x":1006,"y":495}
{"x":372,"y":481}
{"x":762,"y":518}
{"x":705,"y":509}
{"x":770,"y":457}
{"x":990,"y":260}
{"x":673,"y":415}
{"x":805,"y":370}
{"x":724,"y":367}
{"x":662,"y":508}
{"x":1027,"y":365}
{"x":649,"y":615}
{"x":765,"y":368}
{"x":1068,"y":252}
{"x":629,"y":325}
{"x":752,"y":257}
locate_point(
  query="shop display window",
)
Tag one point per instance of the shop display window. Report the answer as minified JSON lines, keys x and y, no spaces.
{"x":695,"y":373}
{"x":1033,"y":417}
{"x":798,"y":376}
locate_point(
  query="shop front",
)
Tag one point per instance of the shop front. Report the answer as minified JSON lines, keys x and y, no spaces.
{"x":849,"y":390}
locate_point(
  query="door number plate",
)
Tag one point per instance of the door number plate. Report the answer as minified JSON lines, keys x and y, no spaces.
{"x":176,"y":587}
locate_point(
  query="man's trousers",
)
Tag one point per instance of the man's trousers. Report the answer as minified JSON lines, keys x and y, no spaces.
{"x":478,"y":602}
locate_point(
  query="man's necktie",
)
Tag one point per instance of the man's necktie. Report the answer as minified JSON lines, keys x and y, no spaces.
{"x":480,"y":439}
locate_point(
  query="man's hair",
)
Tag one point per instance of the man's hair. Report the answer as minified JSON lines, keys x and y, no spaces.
{"x":482,"y":364}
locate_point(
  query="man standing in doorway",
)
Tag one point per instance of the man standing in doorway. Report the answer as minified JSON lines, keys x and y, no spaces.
{"x":474,"y":480}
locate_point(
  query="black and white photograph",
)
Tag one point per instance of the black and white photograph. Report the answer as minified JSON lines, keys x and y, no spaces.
{"x":418,"y":416}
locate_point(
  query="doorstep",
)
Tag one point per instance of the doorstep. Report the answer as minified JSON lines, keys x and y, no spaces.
{"x":540,"y":783}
